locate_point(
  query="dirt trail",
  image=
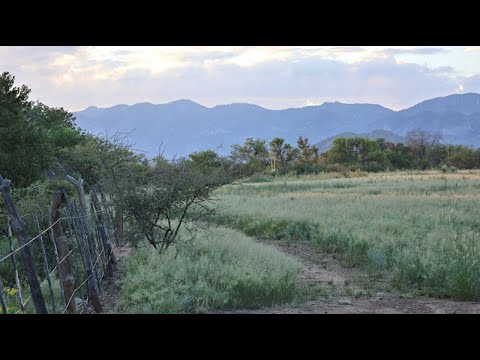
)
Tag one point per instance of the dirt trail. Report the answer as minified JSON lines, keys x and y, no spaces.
{"x":111,"y":292}
{"x":351,"y":291}
{"x":341,"y":290}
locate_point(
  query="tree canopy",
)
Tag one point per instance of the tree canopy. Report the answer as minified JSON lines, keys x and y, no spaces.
{"x":32,"y":135}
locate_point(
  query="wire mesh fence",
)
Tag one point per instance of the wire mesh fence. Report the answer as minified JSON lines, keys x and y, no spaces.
{"x":60,"y":267}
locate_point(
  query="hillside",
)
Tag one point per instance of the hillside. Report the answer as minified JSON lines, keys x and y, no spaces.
{"x":183,"y":126}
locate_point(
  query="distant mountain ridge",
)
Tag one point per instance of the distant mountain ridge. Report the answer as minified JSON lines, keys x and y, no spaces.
{"x":183,"y":126}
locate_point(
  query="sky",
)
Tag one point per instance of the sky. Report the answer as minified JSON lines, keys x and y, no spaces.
{"x":274,"y":77}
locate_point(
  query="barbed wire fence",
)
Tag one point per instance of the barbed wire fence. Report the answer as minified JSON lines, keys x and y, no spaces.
{"x":62,"y":267}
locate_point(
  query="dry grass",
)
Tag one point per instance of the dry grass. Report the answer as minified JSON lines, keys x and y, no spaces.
{"x":419,"y":228}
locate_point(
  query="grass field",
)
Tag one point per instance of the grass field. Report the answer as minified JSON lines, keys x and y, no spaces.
{"x":420,"y":230}
{"x":221,"y":269}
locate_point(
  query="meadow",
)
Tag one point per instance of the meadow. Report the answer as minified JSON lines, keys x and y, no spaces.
{"x":419,"y":230}
{"x":221,"y":269}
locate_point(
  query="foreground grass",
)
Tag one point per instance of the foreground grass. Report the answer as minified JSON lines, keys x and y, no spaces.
{"x":221,"y":269}
{"x":419,"y":229}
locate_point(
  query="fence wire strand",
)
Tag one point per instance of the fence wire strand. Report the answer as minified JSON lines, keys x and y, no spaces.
{"x":38,"y":236}
{"x":97,"y":244}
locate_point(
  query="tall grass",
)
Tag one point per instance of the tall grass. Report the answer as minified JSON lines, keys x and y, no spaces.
{"x":419,"y":228}
{"x":221,"y":269}
{"x":13,"y":301}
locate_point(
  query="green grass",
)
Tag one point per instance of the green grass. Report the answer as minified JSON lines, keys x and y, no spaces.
{"x":221,"y":269}
{"x":13,"y":301}
{"x":418,"y":229}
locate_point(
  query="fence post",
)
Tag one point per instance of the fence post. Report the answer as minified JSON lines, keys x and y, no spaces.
{"x":2,"y":298}
{"x":83,"y":219}
{"x":92,"y":291}
{"x":68,"y":281}
{"x":47,"y":268}
{"x":14,"y":263}
{"x":27,"y":257}
{"x":108,"y":210}
{"x":109,"y":257}
{"x":75,"y":233}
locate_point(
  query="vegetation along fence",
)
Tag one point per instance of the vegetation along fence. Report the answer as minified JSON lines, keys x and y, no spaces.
{"x":56,"y":259}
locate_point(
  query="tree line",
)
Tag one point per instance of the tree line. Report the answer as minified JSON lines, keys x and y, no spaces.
{"x":422,"y":150}
{"x":40,"y":145}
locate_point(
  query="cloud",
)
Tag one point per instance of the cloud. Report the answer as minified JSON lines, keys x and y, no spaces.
{"x":416,"y":51}
{"x":379,"y":81}
{"x":471,"y":83}
{"x":348,"y":49}
{"x":274,"y":77}
{"x":472,"y":49}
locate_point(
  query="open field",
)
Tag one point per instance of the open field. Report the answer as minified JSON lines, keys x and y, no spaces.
{"x":416,"y":231}
{"x":221,"y":269}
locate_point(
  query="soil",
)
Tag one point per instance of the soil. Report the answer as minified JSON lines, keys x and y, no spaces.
{"x":341,"y":290}
{"x":352,"y":291}
{"x":111,"y":293}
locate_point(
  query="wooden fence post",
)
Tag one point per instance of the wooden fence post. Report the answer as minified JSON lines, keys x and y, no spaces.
{"x":109,"y":257}
{"x":2,"y":298}
{"x":68,"y":280}
{"x":83,"y":220}
{"x":14,"y":264}
{"x":86,"y":256}
{"x":27,"y":257}
{"x":57,"y":258}
{"x":108,"y":210}
{"x":72,"y":226}
{"x":47,"y":268}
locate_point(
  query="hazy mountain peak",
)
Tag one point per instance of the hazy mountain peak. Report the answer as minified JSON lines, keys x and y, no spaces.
{"x":328,"y":103}
{"x":119,"y":106}
{"x":337,"y":104}
{"x":184,"y":126}
{"x":239,"y":106}
{"x":468,"y":103}
{"x":185,"y":102}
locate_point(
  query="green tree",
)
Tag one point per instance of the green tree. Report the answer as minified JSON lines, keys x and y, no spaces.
{"x":400,"y":156}
{"x":361,"y":152}
{"x":253,"y":155}
{"x":31,"y":135}
{"x":282,"y":152}
{"x":207,"y":160}
{"x":308,"y":153}
{"x":108,"y":162}
{"x":171,"y":194}
{"x":463,"y":157}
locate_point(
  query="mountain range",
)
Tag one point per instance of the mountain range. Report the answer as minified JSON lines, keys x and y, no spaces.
{"x":181,"y":127}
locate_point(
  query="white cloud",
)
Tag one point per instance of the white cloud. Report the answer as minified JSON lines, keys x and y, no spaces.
{"x":275,"y":77}
{"x":471,"y":83}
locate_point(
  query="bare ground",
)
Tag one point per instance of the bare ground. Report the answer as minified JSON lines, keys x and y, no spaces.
{"x":111,"y":291}
{"x":336,"y":289}
{"x":342,"y":290}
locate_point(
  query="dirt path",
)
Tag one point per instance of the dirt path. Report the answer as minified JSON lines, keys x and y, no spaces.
{"x":333,"y":289}
{"x":340,"y":290}
{"x":111,"y":292}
